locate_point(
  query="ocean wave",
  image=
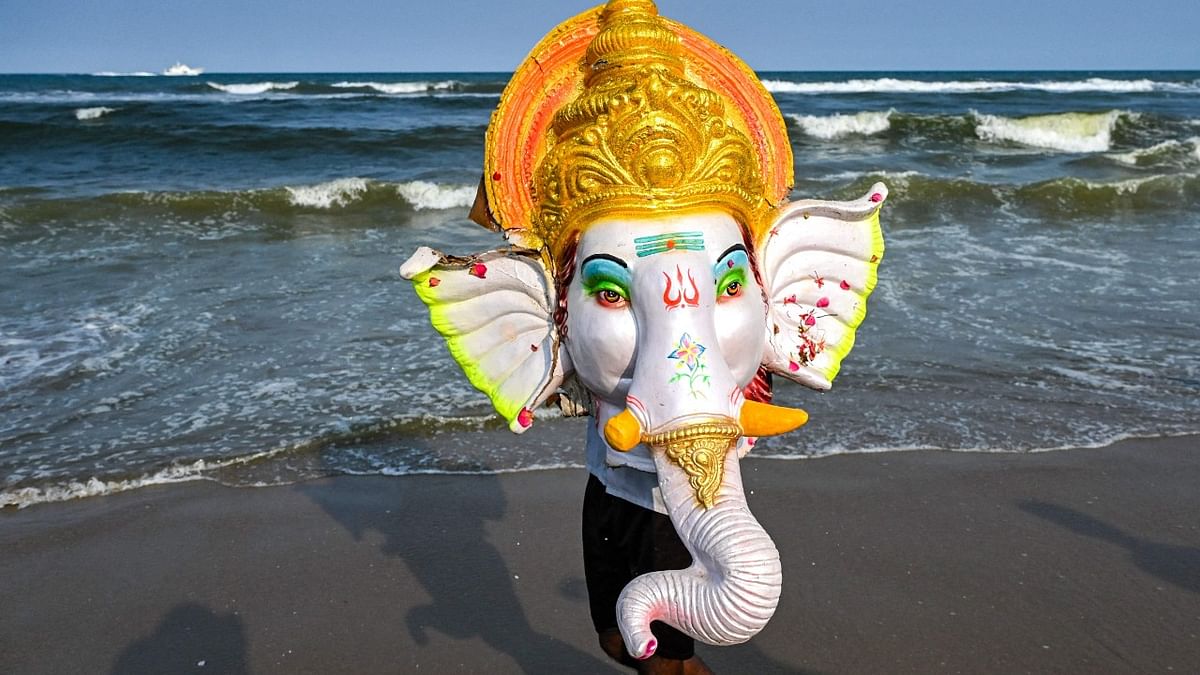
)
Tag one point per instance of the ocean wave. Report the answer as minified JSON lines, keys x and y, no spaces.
{"x":420,"y":195}
{"x":399,"y":87}
{"x":898,"y":86}
{"x":352,"y":195}
{"x":253,"y":88}
{"x":83,"y":114}
{"x":829,"y":127}
{"x":1068,"y":132}
{"x":22,"y":497}
{"x":327,"y":195}
{"x":139,"y":73}
{"x":1171,"y":153}
{"x":425,"y":195}
{"x":36,"y":351}
{"x":916,"y":197}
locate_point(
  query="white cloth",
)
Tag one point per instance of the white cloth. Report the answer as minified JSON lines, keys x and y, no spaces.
{"x":625,"y":475}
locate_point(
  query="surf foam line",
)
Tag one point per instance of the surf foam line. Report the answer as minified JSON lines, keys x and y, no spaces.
{"x":421,"y":195}
{"x":830,"y":127}
{"x":1067,"y":132}
{"x":95,"y":487}
{"x":1170,"y":152}
{"x":1102,"y":442}
{"x":253,"y":88}
{"x":892,"y":85}
{"x":400,"y":87}
{"x":1062,"y":197}
{"x":85,"y":114}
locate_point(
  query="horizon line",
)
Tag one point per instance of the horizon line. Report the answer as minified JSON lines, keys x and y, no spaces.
{"x":150,"y":73}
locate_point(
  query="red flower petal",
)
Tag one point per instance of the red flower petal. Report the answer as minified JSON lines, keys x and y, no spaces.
{"x":434,"y":281}
{"x":810,"y":320}
{"x":845,"y":285}
{"x":823,"y":302}
{"x":478,"y":270}
{"x":793,"y":366}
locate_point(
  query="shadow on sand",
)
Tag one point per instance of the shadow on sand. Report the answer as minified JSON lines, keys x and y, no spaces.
{"x":1178,"y":565}
{"x":190,"y":638}
{"x":450,"y":555}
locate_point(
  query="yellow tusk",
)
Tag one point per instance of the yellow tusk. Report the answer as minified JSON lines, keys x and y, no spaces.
{"x":623,"y":432}
{"x":764,"y":419}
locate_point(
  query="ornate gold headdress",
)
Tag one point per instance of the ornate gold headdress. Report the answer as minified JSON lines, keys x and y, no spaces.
{"x":620,"y":111}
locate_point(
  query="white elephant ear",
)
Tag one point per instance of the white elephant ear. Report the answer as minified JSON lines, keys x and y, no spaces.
{"x":818,"y":264}
{"x":496,"y":311}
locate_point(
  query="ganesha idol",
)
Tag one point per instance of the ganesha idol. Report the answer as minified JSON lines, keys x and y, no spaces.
{"x":640,"y":174}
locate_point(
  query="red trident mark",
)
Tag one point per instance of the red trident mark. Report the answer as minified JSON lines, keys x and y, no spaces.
{"x":675,"y":299}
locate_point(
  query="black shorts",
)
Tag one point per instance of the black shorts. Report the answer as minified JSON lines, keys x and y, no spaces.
{"x":622,"y":540}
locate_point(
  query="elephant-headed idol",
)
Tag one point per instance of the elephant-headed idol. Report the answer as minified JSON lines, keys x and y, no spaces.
{"x":640,"y":173}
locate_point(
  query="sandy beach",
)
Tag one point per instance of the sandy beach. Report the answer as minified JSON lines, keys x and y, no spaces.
{"x":1076,"y":561}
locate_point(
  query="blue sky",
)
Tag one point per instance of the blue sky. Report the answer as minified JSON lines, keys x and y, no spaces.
{"x":455,"y":35}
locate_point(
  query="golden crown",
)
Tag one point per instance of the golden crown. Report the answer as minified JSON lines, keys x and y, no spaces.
{"x":641,"y":137}
{"x":619,"y":111}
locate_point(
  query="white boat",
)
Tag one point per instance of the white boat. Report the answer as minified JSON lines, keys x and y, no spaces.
{"x":182,"y":69}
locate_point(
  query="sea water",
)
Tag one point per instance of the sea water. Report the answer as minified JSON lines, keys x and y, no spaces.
{"x":198,"y":276}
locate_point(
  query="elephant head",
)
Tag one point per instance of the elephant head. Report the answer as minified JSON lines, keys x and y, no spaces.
{"x":657,"y":262}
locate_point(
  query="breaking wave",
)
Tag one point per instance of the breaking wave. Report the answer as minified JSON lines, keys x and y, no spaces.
{"x":253,"y":88}
{"x":829,"y":127}
{"x":917,"y":197}
{"x":901,"y":86}
{"x":1068,"y":132}
{"x":351,"y":195}
{"x":1072,"y":132}
{"x":398,"y":87}
{"x":1172,"y":152}
{"x":83,"y":114}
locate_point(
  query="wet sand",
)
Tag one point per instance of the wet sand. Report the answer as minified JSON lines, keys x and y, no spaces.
{"x":1076,"y":561}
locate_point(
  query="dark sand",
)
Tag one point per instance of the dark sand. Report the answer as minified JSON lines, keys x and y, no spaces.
{"x":1081,"y":561}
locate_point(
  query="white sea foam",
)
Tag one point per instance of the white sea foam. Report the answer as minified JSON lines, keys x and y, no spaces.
{"x":94,"y":487}
{"x":398,"y":87}
{"x":252,"y":88}
{"x":898,"y":86}
{"x":1166,"y":149}
{"x":1068,"y":132}
{"x":327,"y":195}
{"x":829,"y":127}
{"x":425,"y":195}
{"x":82,"y":114}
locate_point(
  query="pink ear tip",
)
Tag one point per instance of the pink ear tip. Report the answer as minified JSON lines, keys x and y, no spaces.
{"x":876,"y":197}
{"x":525,"y":417}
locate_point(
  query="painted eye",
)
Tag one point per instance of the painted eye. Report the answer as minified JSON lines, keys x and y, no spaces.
{"x":734,"y":289}
{"x":610,"y":298}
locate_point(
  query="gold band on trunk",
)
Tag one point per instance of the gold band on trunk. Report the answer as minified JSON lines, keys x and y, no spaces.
{"x":700,"y":450}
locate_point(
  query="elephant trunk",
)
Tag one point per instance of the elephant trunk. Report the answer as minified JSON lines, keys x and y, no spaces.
{"x":733,"y":585}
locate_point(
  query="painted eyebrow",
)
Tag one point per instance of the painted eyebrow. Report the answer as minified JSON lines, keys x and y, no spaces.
{"x":732,"y":249}
{"x":605,"y":256}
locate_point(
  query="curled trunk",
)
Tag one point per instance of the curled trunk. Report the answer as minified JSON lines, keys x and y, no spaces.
{"x":733,"y":585}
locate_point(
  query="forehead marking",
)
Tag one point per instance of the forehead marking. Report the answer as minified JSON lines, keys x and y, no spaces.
{"x":671,"y":241}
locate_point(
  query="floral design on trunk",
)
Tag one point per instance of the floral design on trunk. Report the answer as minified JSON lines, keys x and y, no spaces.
{"x":689,"y":355}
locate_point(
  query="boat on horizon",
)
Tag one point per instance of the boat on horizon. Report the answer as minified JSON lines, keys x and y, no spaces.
{"x":182,"y":69}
